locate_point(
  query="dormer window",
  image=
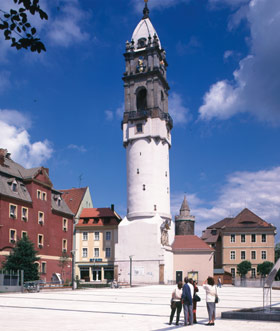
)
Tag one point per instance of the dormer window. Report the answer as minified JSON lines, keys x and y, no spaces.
{"x":14,"y":186}
{"x":59,"y":201}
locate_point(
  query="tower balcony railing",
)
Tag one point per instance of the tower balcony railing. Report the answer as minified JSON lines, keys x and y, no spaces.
{"x":145,"y":113}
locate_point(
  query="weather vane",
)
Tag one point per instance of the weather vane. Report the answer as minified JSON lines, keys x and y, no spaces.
{"x":146,"y":1}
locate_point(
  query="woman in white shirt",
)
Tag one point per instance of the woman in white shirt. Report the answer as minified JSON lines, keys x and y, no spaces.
{"x":211,"y":292}
{"x":176,"y":303}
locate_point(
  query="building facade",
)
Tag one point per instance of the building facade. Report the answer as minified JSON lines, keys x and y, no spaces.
{"x":30,"y":206}
{"x":144,"y":234}
{"x":244,"y":237}
{"x":96,"y":237}
{"x":192,"y":256}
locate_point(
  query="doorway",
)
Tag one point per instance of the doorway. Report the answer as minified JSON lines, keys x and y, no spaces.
{"x":179,"y":276}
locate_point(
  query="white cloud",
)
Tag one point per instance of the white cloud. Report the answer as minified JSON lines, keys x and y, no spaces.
{"x":81,"y":148}
{"x":256,"y":83}
{"x":228,"y":54}
{"x":258,"y":191}
{"x":15,"y":138}
{"x":156,"y":4}
{"x":109,"y":115}
{"x":179,"y":113}
{"x":120,"y":111}
{"x":66,"y":27}
{"x":190,"y":47}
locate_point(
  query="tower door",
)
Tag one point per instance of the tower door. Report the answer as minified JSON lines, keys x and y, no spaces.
{"x":179,"y":276}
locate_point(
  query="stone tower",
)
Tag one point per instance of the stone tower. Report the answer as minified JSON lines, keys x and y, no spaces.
{"x":146,"y":124}
{"x":146,"y":129}
{"x":184,"y":223}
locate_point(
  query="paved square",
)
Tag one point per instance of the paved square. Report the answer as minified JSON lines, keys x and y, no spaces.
{"x":137,"y":308}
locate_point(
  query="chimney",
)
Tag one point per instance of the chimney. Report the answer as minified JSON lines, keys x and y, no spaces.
{"x":113,"y":207}
{"x":3,"y":153}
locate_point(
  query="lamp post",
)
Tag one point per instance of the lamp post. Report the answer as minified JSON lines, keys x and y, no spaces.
{"x":130,"y":274}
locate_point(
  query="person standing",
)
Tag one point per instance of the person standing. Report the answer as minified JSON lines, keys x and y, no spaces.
{"x":187,"y":303}
{"x":194,"y":301}
{"x":211,"y":292}
{"x":176,"y":303}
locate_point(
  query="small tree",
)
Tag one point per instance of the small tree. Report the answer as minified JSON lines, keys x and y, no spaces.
{"x":264,"y":268}
{"x":23,"y":257}
{"x":243,"y":268}
{"x":63,"y":262}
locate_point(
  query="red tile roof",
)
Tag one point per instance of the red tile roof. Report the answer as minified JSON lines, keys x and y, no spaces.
{"x":190,"y":243}
{"x":98,"y":217}
{"x":73,"y":197}
{"x":246,"y":218}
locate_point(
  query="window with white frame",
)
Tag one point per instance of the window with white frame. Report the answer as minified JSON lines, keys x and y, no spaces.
{"x":232,"y":270}
{"x":96,"y":252}
{"x":263,"y":255}
{"x":108,"y":235}
{"x":84,"y":252}
{"x":253,"y":255}
{"x":41,"y":217}
{"x":64,"y":224}
{"x":263,"y":238}
{"x":13,"y":235}
{"x":243,"y":255}
{"x":232,"y":238}
{"x":64,"y":245}
{"x":24,"y":214}
{"x":253,"y":238}
{"x":44,"y":196}
{"x":96,"y":235}
{"x":39,"y":194}
{"x":253,"y":272}
{"x":108,"y":252}
{"x":85,"y":236}
{"x":13,"y":211}
{"x":243,"y":238}
{"x":232,"y":255}
{"x":40,"y":240}
{"x":23,"y":234}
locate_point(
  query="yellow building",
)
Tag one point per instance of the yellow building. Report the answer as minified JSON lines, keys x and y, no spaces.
{"x":244,"y":237}
{"x":96,"y":236}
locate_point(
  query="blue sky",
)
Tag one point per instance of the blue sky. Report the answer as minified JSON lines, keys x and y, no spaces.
{"x":62,"y":109}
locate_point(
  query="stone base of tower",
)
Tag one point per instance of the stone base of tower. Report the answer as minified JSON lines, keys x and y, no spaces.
{"x":140,"y":258}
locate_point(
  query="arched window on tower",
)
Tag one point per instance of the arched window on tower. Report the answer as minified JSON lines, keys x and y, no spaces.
{"x":141,"y":99}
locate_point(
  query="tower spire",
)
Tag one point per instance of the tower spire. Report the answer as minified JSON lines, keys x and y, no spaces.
{"x":146,"y":10}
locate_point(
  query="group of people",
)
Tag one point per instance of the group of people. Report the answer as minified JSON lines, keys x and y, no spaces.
{"x":186,"y":297}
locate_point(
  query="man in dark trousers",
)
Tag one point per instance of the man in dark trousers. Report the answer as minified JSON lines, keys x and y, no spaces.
{"x":187,"y":302}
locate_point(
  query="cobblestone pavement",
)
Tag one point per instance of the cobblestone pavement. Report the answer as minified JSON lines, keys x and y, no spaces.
{"x":137,"y":308}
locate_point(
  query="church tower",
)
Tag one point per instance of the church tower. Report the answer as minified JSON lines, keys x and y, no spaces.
{"x":145,"y":231}
{"x":146,"y":124}
{"x":184,"y":223}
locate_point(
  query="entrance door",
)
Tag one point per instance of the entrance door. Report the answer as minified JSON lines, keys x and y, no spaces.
{"x":96,"y":274}
{"x":179,"y":276}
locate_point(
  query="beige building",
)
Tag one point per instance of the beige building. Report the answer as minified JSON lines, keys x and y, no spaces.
{"x":244,"y":237}
{"x":96,"y":236}
{"x":192,"y":257}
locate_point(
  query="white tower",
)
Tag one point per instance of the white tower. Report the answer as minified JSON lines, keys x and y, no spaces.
{"x":144,"y":233}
